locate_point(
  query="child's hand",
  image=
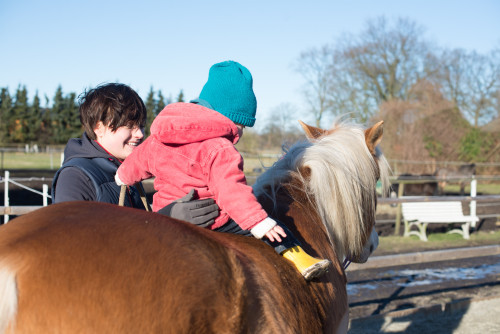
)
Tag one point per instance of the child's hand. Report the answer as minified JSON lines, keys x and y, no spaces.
{"x":275,"y":233}
{"x":118,"y":181}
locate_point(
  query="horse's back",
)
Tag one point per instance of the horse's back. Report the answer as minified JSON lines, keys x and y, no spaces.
{"x":90,"y":267}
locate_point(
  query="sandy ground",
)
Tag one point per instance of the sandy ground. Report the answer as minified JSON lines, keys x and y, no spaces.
{"x":479,"y":316}
{"x":453,"y":296}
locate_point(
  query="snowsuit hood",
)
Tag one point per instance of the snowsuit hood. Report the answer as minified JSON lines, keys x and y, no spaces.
{"x":184,"y":123}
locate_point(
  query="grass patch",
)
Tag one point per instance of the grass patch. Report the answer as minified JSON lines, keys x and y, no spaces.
{"x":490,"y":188}
{"x":21,"y":160}
{"x":254,"y":165}
{"x":394,"y":244}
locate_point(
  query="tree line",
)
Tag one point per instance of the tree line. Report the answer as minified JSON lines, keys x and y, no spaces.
{"x":26,"y":122}
{"x":23,"y":121}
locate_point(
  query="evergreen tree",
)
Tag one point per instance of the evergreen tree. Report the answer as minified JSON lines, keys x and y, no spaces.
{"x":45,"y":135}
{"x":5,"y":111}
{"x":71,"y":125}
{"x":56,"y":114}
{"x":180,"y":97}
{"x":151,"y":109}
{"x":64,"y":118}
{"x":161,"y":103}
{"x":17,"y":125}
{"x":33,"y":122}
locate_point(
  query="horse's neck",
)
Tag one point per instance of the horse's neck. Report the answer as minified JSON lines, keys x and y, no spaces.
{"x":311,"y":232}
{"x":308,"y":224}
{"x":293,"y":207}
{"x":296,"y":210}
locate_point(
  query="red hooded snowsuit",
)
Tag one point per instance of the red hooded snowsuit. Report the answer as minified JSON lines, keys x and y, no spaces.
{"x":193,"y":147}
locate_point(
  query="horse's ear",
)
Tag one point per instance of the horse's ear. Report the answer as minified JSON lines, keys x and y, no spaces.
{"x":311,"y":131}
{"x":305,"y":171}
{"x":373,"y":136}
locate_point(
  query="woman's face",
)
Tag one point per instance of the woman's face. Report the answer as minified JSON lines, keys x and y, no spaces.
{"x":119,"y":143}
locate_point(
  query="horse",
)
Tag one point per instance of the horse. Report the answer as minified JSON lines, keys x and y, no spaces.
{"x":464,"y":173}
{"x":88,"y":267}
{"x":417,"y":189}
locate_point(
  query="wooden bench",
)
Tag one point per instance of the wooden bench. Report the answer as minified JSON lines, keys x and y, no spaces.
{"x":421,"y":214}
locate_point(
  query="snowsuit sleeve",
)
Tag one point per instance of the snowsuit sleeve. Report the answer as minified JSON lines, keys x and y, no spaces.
{"x":135,"y":167}
{"x":232,"y":193}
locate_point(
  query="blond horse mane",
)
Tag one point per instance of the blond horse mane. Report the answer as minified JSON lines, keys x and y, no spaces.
{"x":341,"y":182}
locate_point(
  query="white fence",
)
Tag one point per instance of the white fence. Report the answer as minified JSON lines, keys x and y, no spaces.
{"x":8,"y":210}
{"x":472,"y":199}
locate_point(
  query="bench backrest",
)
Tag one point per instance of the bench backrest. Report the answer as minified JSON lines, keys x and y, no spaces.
{"x":431,"y":210}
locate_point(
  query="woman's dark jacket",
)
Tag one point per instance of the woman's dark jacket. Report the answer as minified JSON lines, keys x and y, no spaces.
{"x":87,"y":174}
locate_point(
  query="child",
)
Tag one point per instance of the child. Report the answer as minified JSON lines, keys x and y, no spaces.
{"x":192,"y":146}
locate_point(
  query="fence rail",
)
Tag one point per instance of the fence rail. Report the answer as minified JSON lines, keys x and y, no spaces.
{"x":407,"y":199}
{"x":473,"y":199}
{"x":19,"y":210}
{"x":8,"y":210}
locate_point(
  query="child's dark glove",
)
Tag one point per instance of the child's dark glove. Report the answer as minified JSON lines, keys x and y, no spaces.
{"x":201,"y":212}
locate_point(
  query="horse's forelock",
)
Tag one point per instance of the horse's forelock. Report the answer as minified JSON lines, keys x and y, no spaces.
{"x":343,"y":180}
{"x":384,"y":171}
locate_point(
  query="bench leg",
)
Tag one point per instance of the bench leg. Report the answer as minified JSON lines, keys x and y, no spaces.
{"x":407,"y":229}
{"x":465,"y":228}
{"x":464,"y":231}
{"x":422,"y":229}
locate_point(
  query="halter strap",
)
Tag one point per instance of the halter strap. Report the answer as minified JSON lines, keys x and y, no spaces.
{"x":346,"y":263}
{"x":139,"y":187}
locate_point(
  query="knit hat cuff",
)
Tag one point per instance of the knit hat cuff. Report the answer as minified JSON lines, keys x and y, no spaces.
{"x":242,"y":119}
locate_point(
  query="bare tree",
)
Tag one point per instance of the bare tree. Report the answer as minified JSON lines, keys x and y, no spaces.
{"x":380,"y":64}
{"x":387,"y":59}
{"x":472,"y":82}
{"x":349,"y":93}
{"x":281,"y":126}
{"x":314,"y":65}
{"x":497,"y":104}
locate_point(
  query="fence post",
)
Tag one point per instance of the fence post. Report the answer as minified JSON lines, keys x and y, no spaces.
{"x":6,"y":196}
{"x":473,"y":193}
{"x":398,"y":212}
{"x":45,"y":194}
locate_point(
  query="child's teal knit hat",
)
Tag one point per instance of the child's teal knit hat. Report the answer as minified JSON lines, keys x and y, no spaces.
{"x":229,"y":91}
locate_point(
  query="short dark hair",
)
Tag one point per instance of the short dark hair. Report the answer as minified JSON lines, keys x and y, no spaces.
{"x":113,"y":104}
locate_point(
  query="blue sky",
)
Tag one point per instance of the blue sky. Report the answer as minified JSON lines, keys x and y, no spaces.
{"x":171,"y":45}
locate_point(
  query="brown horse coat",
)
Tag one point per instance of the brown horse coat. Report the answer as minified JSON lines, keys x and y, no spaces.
{"x":85,"y":267}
